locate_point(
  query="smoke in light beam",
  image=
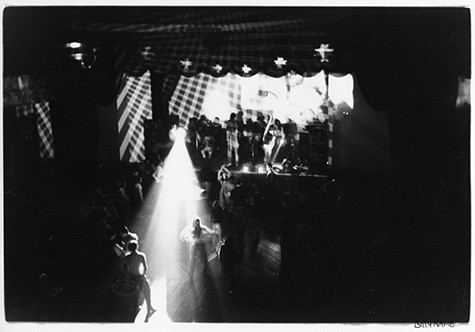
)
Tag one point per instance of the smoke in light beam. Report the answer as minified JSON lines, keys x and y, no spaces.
{"x":174,"y":202}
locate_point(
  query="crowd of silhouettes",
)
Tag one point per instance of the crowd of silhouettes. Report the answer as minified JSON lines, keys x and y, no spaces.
{"x":240,"y":140}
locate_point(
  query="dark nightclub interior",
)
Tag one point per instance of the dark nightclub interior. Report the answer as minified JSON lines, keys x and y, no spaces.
{"x":213,"y":142}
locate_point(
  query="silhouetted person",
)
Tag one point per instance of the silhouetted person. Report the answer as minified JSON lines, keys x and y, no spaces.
{"x":226,"y":258}
{"x":121,"y":239}
{"x":138,"y":191}
{"x":135,"y":265}
{"x":226,"y":179}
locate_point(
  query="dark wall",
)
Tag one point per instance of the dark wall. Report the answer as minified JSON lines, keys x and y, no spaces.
{"x":108,"y":133}
{"x":361,"y":139}
{"x":34,"y":41}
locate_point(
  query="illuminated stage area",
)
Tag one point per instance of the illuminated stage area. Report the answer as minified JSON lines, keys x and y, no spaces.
{"x":168,"y":165}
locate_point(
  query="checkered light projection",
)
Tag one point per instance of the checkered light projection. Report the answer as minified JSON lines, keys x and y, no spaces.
{"x":43,"y":124}
{"x":211,"y":96}
{"x":45,"y":130}
{"x":134,"y":105}
{"x":291,"y":96}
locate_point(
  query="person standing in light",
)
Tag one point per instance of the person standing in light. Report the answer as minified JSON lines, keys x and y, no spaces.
{"x":196,"y":236}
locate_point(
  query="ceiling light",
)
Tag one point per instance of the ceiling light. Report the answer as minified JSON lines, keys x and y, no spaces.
{"x":81,"y":54}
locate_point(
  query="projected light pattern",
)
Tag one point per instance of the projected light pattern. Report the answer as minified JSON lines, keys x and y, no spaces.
{"x":292,"y":96}
{"x":134,"y":105}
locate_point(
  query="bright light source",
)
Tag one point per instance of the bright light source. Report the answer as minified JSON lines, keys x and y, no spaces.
{"x":180,"y":133}
{"x":245,"y":169}
{"x":261,"y":169}
{"x":74,"y":45}
{"x":177,"y":133}
{"x":78,"y":56}
{"x":81,"y":54}
{"x":216,"y":101}
{"x":340,"y":89}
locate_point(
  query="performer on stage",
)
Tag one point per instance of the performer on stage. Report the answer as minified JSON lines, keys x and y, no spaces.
{"x":232,"y":140}
{"x":276,"y":143}
{"x":207,"y":147}
{"x":292,"y":137}
{"x":269,"y":139}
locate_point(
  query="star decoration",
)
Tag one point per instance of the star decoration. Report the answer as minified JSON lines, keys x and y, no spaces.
{"x":217,"y":68}
{"x":280,"y":62}
{"x":186,"y":64}
{"x":246,"y":69}
{"x":146,"y":52}
{"x":323,"y":50}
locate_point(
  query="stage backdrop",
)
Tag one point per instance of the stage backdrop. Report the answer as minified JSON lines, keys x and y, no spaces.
{"x":360,"y":137}
{"x":291,"y":96}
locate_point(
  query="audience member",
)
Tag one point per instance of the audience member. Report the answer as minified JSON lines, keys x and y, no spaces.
{"x":216,"y":213}
{"x":121,"y":192}
{"x":219,"y":134}
{"x":227,"y":186}
{"x":192,"y":138}
{"x":256,"y":143}
{"x":138,"y":191}
{"x":158,"y":174}
{"x":196,"y":237}
{"x":120,"y":240}
{"x":207,"y":147}
{"x":134,"y":264}
{"x":122,"y":202}
{"x":226,"y":259}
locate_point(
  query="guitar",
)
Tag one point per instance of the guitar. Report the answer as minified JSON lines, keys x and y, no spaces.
{"x":267,"y":137}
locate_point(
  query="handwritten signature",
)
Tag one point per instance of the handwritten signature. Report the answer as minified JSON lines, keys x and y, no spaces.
{"x":419,"y":325}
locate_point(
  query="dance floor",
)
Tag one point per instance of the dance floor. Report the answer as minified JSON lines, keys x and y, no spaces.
{"x":339,"y":272}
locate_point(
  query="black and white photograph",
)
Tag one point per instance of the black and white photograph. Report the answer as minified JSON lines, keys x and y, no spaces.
{"x":280,"y":165}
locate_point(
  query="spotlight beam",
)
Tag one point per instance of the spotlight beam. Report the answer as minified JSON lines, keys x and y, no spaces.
{"x":174,"y":204}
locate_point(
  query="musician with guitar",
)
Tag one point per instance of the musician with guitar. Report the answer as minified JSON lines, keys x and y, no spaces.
{"x":272,"y":136}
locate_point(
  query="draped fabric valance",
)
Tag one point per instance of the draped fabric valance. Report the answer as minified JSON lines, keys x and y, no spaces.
{"x":243,"y":41}
{"x":242,"y":54}
{"x":381,"y":47}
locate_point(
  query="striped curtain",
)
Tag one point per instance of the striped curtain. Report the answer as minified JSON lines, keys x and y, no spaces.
{"x":134,"y":105}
